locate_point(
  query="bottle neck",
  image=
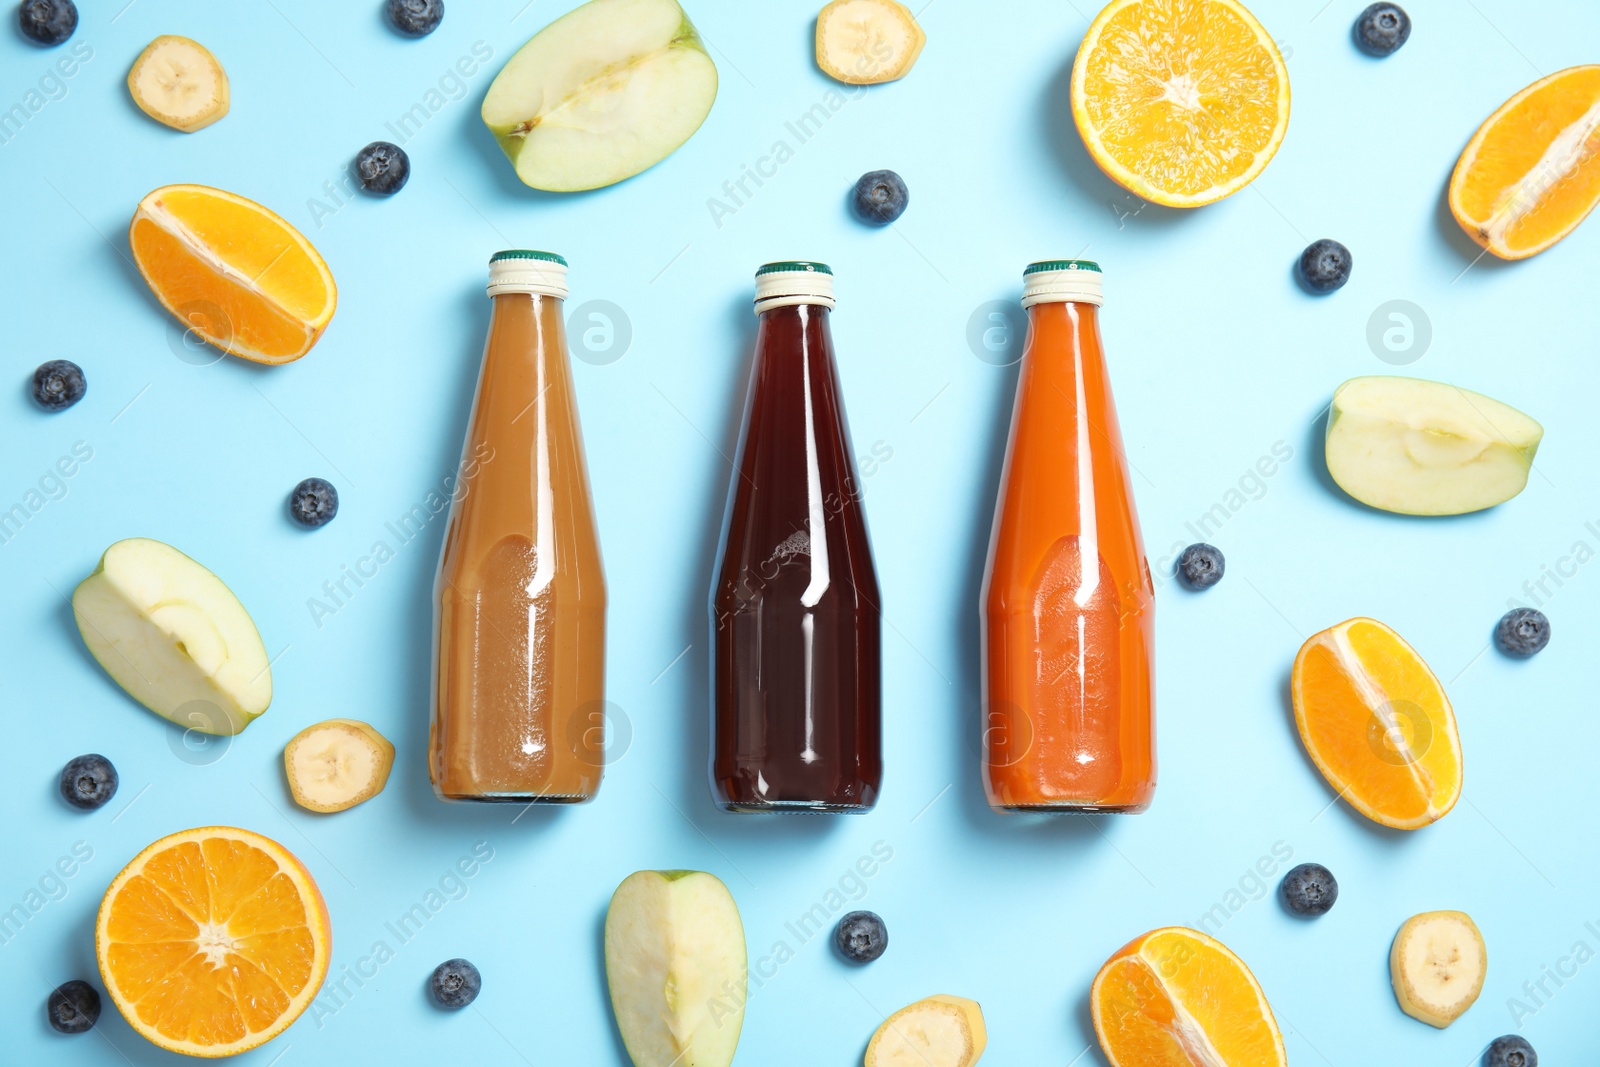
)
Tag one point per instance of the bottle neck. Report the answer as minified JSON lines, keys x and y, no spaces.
{"x":1074,"y":311}
{"x":523,"y":304}
{"x":526,"y":325}
{"x":1062,"y":334}
{"x":1073,"y":314}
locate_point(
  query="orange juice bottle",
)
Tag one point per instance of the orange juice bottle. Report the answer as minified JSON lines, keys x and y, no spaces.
{"x":1067,"y":599}
{"x":520,"y":595}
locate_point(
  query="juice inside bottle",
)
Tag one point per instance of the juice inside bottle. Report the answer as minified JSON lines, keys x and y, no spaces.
{"x":520,"y":597}
{"x":1068,"y":620}
{"x":797,"y":690}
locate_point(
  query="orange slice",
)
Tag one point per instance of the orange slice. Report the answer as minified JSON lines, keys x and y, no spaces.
{"x":1181,"y":102}
{"x":1177,"y":998}
{"x":1530,"y":174}
{"x":212,"y":941}
{"x":235,"y":273}
{"x":1377,"y":724}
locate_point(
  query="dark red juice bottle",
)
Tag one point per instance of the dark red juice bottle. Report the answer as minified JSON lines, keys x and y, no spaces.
{"x":796,"y":671}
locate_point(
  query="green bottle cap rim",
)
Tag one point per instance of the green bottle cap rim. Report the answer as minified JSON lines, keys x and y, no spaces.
{"x":793,"y":265}
{"x":1061,"y":264}
{"x":527,"y":253}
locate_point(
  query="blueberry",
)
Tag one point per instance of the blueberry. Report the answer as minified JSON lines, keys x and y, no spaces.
{"x":881,"y":196}
{"x":48,"y":21}
{"x":1510,"y":1051}
{"x":416,"y":18}
{"x":314,"y":502}
{"x":1309,"y":889}
{"x":455,"y":984}
{"x":1522,"y":632}
{"x":1382,"y":29}
{"x":73,"y":1007}
{"x":861,"y":936}
{"x":1325,"y":266}
{"x":59,"y":384}
{"x":88,"y":782}
{"x":382,"y":168}
{"x":1201,"y":566}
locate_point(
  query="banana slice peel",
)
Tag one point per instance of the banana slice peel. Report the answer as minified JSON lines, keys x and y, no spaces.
{"x":337,"y":764}
{"x":867,"y":42}
{"x":936,"y":1031}
{"x":179,"y":83}
{"x":1437,"y":964}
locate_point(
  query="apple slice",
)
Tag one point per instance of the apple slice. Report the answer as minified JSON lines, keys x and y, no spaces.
{"x":1426,"y":448}
{"x":675,"y":965}
{"x":603,"y":92}
{"x":936,"y":1031}
{"x":170,"y":633}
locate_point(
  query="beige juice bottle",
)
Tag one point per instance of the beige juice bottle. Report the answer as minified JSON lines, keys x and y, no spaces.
{"x":520,"y":598}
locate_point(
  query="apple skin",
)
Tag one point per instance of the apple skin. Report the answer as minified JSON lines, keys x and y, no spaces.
{"x":174,"y":637}
{"x":1417,"y":447}
{"x":676,"y":968}
{"x":516,"y":135}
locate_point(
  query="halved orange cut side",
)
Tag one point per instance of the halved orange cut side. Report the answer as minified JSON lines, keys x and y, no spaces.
{"x":212,"y":941}
{"x":1181,"y":102}
{"x":1531,"y":173}
{"x":232,"y":271}
{"x":1177,"y":998}
{"x":1377,"y":724}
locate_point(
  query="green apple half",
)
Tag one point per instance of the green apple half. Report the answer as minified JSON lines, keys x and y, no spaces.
{"x":603,"y":92}
{"x":1427,"y":448}
{"x":170,"y":633}
{"x":675,"y":965}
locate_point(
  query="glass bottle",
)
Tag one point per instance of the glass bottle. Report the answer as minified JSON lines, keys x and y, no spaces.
{"x":797,"y":689}
{"x":1068,"y":619}
{"x":520,"y":597}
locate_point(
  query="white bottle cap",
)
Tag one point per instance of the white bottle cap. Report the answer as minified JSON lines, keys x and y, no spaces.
{"x":1060,"y":281}
{"x":793,"y":281}
{"x":523,"y":270}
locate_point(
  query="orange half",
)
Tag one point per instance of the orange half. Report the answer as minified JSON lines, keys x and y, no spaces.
{"x":1377,"y":724}
{"x":212,"y":941}
{"x":1177,"y":998}
{"x":232,"y":271}
{"x":1530,"y":174}
{"x":1181,"y":102}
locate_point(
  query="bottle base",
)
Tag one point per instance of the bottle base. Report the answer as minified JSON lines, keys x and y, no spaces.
{"x":515,"y":798}
{"x":1069,"y":807}
{"x":792,"y":807}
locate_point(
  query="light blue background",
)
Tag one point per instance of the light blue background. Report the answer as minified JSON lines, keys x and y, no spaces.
{"x":1216,"y":355}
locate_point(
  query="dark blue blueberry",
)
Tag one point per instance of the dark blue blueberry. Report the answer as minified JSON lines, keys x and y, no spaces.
{"x":861,"y":936}
{"x":455,"y":984}
{"x":47,"y":21}
{"x":382,"y":168}
{"x":73,"y":1007}
{"x":1510,"y":1051}
{"x":314,"y":502}
{"x":881,"y":196}
{"x":416,"y":18}
{"x":1382,"y":29}
{"x":1325,"y":266}
{"x":1309,"y":889}
{"x":1522,"y":632}
{"x":59,"y":384}
{"x":1201,"y":566}
{"x":88,"y":782}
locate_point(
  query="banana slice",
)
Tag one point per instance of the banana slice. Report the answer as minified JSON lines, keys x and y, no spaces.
{"x":179,"y":83}
{"x":1438,"y":964}
{"x":337,"y":764}
{"x":865,"y":42}
{"x":936,"y":1031}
